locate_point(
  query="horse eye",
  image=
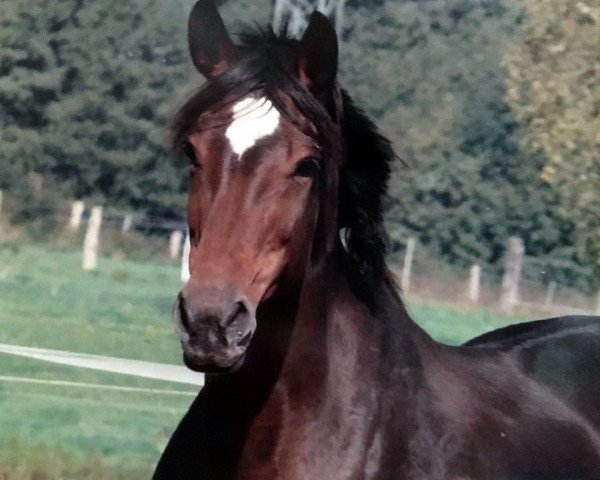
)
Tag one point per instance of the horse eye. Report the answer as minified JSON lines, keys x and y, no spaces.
{"x":190,"y":153}
{"x":307,"y":167}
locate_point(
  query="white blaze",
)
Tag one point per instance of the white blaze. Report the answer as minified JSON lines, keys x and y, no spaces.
{"x":253,"y":119}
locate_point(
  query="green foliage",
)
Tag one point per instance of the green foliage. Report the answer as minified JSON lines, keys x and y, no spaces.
{"x":554,"y":90}
{"x":87,"y":89}
{"x":432,"y":73}
{"x":30,"y":80}
{"x":86,"y":92}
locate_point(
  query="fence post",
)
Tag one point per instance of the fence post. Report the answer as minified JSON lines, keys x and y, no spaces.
{"x":0,"y":206}
{"x":407,"y":267}
{"x":185,"y":259}
{"x":77,"y":208}
{"x":598,"y":304}
{"x":550,"y":295}
{"x":474,"y":282}
{"x":512,"y":273}
{"x":127,"y":222}
{"x":175,"y":243}
{"x":90,"y":243}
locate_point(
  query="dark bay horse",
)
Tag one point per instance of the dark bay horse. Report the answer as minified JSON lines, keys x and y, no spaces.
{"x":315,"y":370}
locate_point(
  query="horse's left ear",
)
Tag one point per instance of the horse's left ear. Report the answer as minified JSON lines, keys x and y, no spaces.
{"x":211,"y":48}
{"x":318,"y":54}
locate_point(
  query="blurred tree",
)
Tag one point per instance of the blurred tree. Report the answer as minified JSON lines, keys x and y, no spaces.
{"x":295,"y":14}
{"x":432,"y":73}
{"x":554,"y":90}
{"x":30,"y":81}
{"x":86,"y":90}
{"x":124,"y":61}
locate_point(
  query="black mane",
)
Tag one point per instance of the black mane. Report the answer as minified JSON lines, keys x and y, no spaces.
{"x":268,"y":65}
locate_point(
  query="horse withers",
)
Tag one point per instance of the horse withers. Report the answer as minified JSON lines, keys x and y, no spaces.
{"x":314,"y":368}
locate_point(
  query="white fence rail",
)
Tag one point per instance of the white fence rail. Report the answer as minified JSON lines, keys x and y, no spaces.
{"x":137,"y":368}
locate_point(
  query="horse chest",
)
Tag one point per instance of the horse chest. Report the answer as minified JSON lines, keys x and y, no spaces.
{"x":302,"y":445}
{"x":346,"y":454}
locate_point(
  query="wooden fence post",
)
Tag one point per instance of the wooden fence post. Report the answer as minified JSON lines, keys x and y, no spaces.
{"x":175,"y":243}
{"x":0,"y":206}
{"x":513,"y":264}
{"x":185,"y":259}
{"x":77,"y":208}
{"x":550,"y":295}
{"x":127,"y":222}
{"x":598,"y":304}
{"x":407,"y":267}
{"x":474,"y":282}
{"x":90,"y":244}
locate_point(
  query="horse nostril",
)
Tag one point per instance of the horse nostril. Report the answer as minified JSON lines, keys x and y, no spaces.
{"x":212,"y":321}
{"x":183,"y":315}
{"x":239,"y":309}
{"x":246,"y":340}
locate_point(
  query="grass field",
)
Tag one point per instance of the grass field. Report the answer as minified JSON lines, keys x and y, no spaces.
{"x":121,"y":310}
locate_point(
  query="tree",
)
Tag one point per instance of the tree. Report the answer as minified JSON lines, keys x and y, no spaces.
{"x":554,"y":90}
{"x":432,"y":74}
{"x":87,"y":89}
{"x":30,"y":81}
{"x":108,"y":131}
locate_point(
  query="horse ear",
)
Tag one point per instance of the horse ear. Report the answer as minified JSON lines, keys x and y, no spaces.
{"x":211,"y":47}
{"x":318,"y":54}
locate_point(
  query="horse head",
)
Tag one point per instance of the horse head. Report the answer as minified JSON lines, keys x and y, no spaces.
{"x":261,"y":138}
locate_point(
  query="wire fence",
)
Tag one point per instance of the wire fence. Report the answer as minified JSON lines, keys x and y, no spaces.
{"x":420,"y":274}
{"x":101,"y":231}
{"x":428,"y":279}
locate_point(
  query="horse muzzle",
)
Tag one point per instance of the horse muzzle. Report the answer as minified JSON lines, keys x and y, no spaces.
{"x":215,"y":328}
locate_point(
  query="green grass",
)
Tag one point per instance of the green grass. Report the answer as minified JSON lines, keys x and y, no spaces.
{"x":455,"y":325}
{"x":121,"y":310}
{"x":20,"y":460}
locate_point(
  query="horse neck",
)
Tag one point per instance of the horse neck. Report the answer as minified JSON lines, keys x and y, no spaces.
{"x":332,"y":385}
{"x":320,"y":335}
{"x":331,"y":361}
{"x":340,"y":345}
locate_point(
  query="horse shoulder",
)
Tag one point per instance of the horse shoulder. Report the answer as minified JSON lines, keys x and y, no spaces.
{"x":563,"y":354}
{"x":492,"y":419}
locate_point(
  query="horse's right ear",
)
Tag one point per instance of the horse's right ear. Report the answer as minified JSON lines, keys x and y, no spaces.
{"x":211,"y":48}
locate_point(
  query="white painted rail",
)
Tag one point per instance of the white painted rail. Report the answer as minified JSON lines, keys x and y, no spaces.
{"x":93,"y":386}
{"x":137,"y":368}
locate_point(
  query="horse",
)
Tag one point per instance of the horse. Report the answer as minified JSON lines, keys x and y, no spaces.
{"x":314,"y":368}
{"x":562,"y":353}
